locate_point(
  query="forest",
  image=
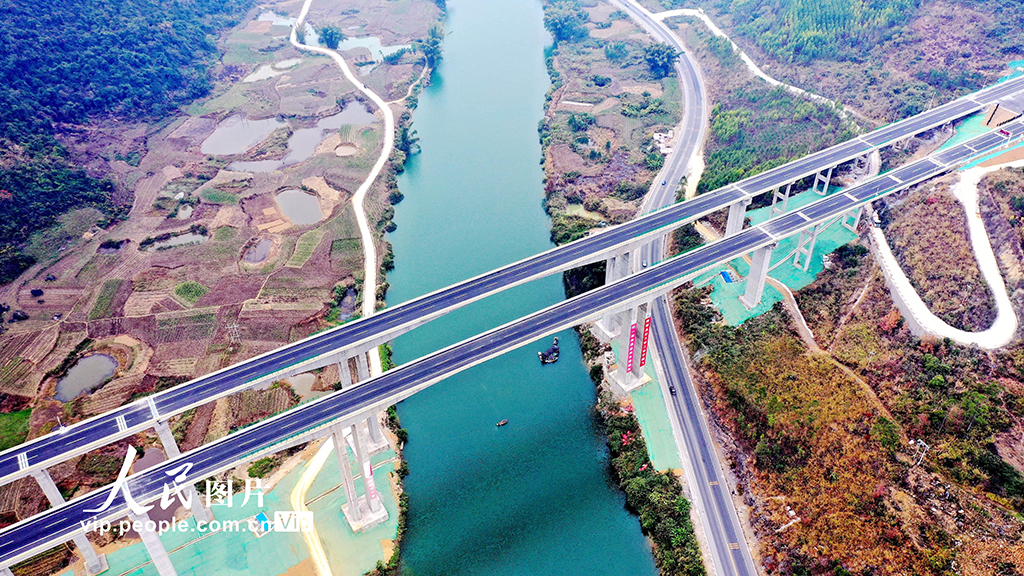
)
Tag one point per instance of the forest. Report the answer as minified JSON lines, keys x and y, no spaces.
{"x":72,"y":63}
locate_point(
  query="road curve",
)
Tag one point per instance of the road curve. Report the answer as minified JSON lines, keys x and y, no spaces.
{"x":359,"y":199}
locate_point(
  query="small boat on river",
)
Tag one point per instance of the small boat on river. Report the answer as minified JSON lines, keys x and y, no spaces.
{"x":551,"y":354}
{"x":502,"y":423}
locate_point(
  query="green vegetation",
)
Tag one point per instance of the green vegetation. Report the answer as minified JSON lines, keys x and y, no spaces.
{"x":103,"y":467}
{"x":190,"y":291}
{"x":103,"y":302}
{"x":13,"y":428}
{"x":655,"y":496}
{"x":757,"y":128}
{"x":566,"y":20}
{"x":37,"y":185}
{"x":76,"y":61}
{"x":660,"y":59}
{"x":330,"y":36}
{"x":800,"y":30}
{"x":262,"y":467}
{"x":431,"y":47}
{"x":218,"y":196}
{"x":305,"y":246}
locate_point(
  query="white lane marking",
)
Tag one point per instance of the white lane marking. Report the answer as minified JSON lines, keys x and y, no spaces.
{"x":22,"y":461}
{"x":804,"y":216}
{"x":152,"y":408}
{"x":851,"y":197}
{"x":122,"y":424}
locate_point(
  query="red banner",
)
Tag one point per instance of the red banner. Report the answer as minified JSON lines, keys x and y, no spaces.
{"x":643,"y":345}
{"x":632,"y":347}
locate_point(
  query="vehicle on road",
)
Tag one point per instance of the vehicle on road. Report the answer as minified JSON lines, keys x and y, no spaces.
{"x":672,"y":390}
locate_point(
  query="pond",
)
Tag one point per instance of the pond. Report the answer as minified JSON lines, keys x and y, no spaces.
{"x":299,"y":207}
{"x":303,"y":142}
{"x":259,"y":252}
{"x":270,"y":70}
{"x":86,"y":375}
{"x":190,"y":238}
{"x":236,"y":134}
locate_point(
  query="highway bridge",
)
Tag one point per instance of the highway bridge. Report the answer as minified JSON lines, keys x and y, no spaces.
{"x":350,"y":406}
{"x":618,"y":244}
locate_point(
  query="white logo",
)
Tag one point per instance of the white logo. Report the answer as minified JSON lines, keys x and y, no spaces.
{"x":293,"y":521}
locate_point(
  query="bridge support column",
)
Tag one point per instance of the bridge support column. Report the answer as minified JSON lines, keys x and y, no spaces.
{"x":819,"y":178}
{"x":361,"y":513}
{"x":362,"y":366}
{"x":737,"y":216}
{"x":199,"y":512}
{"x":632,"y":355}
{"x":344,"y":374}
{"x":5,"y":571}
{"x":363,"y":452}
{"x":94,"y":563}
{"x":618,"y":266}
{"x":780,"y":200}
{"x":352,"y":510}
{"x":852,"y":218}
{"x":155,"y":548}
{"x":373,"y":427}
{"x":758,"y":274}
{"x":805,"y":248}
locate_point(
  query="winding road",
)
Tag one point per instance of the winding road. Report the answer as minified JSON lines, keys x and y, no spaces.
{"x":359,"y":199}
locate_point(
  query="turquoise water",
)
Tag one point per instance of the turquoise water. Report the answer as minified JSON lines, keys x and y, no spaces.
{"x":533,"y":497}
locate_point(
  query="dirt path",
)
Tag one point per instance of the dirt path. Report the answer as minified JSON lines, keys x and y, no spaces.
{"x":909,"y":301}
{"x":753,"y":67}
{"x":298,"y":501}
{"x":359,"y":199}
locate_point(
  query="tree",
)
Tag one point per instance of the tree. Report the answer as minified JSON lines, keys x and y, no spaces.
{"x":565,"y":20}
{"x":660,"y":58}
{"x":330,"y":36}
{"x":431,"y":47}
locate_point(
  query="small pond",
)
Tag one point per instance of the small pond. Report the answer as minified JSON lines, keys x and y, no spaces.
{"x":270,"y":70}
{"x":259,"y":252}
{"x":86,"y":375}
{"x":190,"y":238}
{"x":299,"y":207}
{"x":236,"y":134}
{"x":303,"y":142}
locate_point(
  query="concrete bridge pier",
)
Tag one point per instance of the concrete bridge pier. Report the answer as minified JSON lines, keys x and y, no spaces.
{"x":5,"y":571}
{"x":618,"y":266}
{"x":94,"y":563}
{"x":737,"y":216}
{"x":852,"y":219}
{"x":758,"y":274}
{"x":353,"y":513}
{"x":780,"y":200}
{"x":805,"y":248}
{"x":633,"y":355}
{"x":199,"y":512}
{"x":822,"y":178}
{"x":155,"y":548}
{"x":344,"y":373}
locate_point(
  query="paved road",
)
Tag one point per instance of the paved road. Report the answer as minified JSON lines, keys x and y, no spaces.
{"x":709,"y":488}
{"x":694,"y":116}
{"x":730,"y":551}
{"x":30,"y":536}
{"x":55,"y":447}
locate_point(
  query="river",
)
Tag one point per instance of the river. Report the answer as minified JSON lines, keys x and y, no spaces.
{"x":535,"y":496}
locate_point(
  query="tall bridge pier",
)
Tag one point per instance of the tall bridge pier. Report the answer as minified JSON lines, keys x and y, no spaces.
{"x":94,"y":562}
